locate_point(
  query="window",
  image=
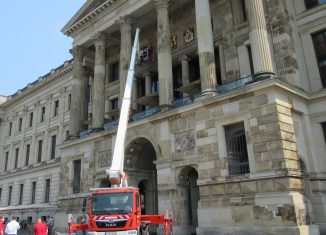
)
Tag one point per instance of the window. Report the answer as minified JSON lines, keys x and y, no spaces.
{"x":47,"y":190}
{"x":323,"y":125}
{"x":69,"y":101}
{"x":177,"y":80}
{"x":319,"y":40}
{"x":236,"y":145}
{"x":250,"y":59}
{"x":39,"y":153}
{"x":77,"y":176}
{"x":243,"y":10}
{"x":313,"y":3}
{"x":9,"y":195}
{"x":20,"y":123}
{"x":31,"y":119}
{"x":6,"y":161}
{"x":218,"y":66}
{"x":10,"y":128}
{"x":194,"y":72}
{"x":115,"y":104}
{"x":0,"y":194}
{"x":33,"y":192}
{"x":67,"y":134}
{"x":56,"y":108}
{"x":21,"y":191}
{"x":114,"y":71}
{"x":42,"y":117}
{"x":16,"y":157}
{"x":28,"y":149}
{"x":53,"y":144}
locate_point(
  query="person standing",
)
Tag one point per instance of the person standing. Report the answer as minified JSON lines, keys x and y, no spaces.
{"x":40,"y":228}
{"x":12,"y":227}
{"x":50,"y":223}
{"x":2,"y":228}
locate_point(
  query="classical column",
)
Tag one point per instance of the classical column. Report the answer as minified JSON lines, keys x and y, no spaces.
{"x":98,"y":95}
{"x":205,"y":46}
{"x":261,"y":53}
{"x":164,"y":53}
{"x":185,"y":70}
{"x":78,"y":107}
{"x":125,"y":52}
{"x":148,"y":83}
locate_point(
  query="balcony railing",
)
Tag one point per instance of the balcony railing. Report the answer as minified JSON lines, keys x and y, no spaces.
{"x":234,"y":85}
{"x":145,"y":114}
{"x":176,"y":104}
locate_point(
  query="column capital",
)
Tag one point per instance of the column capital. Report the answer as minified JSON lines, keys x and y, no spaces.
{"x":162,"y":3}
{"x":125,"y":20}
{"x":100,"y":38}
{"x":184,"y":58}
{"x":78,"y":53}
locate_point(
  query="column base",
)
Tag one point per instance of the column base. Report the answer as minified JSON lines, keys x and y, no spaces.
{"x":73,"y":137}
{"x":206,"y":95}
{"x":165,"y":107}
{"x":262,"y":75}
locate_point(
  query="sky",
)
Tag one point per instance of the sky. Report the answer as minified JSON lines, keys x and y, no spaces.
{"x":31,"y":41}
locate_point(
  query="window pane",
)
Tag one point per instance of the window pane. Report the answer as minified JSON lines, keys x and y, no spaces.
{"x":319,"y":40}
{"x":77,"y":172}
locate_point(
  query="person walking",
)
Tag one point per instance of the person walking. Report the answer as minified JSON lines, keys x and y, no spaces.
{"x":12,"y":227}
{"x":50,"y":223}
{"x":40,"y":228}
{"x":2,"y":228}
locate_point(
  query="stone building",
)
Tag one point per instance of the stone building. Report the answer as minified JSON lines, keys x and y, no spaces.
{"x":228,"y":123}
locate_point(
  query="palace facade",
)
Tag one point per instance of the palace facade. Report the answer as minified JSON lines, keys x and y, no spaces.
{"x":228,"y":122}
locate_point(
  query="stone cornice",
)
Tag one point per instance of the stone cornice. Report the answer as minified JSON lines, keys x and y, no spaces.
{"x":68,"y":30}
{"x":42,"y":82}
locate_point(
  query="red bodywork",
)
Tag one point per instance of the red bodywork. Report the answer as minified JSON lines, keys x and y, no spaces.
{"x":117,"y":221}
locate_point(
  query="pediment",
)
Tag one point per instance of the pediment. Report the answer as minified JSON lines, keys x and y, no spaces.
{"x":88,"y":9}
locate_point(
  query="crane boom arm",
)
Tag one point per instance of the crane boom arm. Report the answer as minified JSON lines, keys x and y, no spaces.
{"x":116,"y":170}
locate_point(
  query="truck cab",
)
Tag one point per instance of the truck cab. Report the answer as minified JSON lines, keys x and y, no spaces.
{"x":115,"y":211}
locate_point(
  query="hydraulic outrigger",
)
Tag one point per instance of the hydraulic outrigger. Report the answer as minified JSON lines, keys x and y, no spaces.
{"x":117,"y":210}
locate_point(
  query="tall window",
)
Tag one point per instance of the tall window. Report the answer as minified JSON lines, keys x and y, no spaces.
{"x":9,"y":195}
{"x":115,"y":71}
{"x":56,"y":108}
{"x":16,"y":157}
{"x":42,"y":117}
{"x":323,"y":125}
{"x":0,"y":194}
{"x":250,"y":59}
{"x":28,"y":150}
{"x":47,"y":190}
{"x":10,"y":129}
{"x":218,"y":66}
{"x":114,"y":104}
{"x":77,"y":176}
{"x":39,"y":152}
{"x":243,"y":9}
{"x":31,"y":116}
{"x":319,"y":40}
{"x":6,"y":161}
{"x":20,"y":123}
{"x":53,"y":144}
{"x":69,"y":101}
{"x":236,"y":144}
{"x":21,"y":191}
{"x":313,"y":3}
{"x":33,"y":192}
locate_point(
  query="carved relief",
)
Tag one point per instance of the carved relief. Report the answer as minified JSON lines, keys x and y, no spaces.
{"x":184,"y":141}
{"x":104,"y":158}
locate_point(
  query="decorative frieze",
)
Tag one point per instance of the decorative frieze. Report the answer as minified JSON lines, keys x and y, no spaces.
{"x":104,"y":158}
{"x":184,"y":141}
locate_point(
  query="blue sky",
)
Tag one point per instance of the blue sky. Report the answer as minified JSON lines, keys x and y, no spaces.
{"x":31,"y":41}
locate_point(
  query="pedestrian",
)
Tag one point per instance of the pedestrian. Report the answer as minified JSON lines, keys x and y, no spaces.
{"x":2,"y":228}
{"x":40,"y":228}
{"x":12,"y":227}
{"x":84,"y":221}
{"x":50,"y":223}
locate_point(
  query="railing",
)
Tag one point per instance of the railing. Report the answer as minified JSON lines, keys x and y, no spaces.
{"x":234,"y":85}
{"x":85,"y":133}
{"x":111,"y":125}
{"x":182,"y":102}
{"x":145,"y":114}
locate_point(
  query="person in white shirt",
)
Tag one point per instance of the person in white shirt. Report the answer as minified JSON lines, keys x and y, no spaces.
{"x":12,"y":227}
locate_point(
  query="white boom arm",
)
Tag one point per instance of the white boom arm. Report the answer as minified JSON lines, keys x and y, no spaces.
{"x":116,"y":172}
